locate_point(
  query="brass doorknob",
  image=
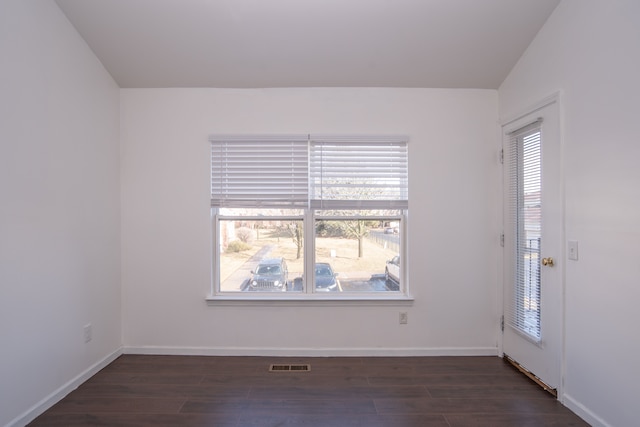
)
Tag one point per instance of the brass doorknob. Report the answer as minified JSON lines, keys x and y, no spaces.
{"x":547,"y":261}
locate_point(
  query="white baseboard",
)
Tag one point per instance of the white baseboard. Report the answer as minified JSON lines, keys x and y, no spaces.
{"x":312,"y":352}
{"x":46,"y":403}
{"x":584,"y":413}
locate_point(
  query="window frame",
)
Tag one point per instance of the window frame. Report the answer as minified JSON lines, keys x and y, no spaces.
{"x":309,"y":218}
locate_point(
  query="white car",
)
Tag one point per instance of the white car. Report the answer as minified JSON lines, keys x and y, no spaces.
{"x":392,"y":270}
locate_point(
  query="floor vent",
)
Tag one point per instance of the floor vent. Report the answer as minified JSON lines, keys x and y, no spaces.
{"x":289,"y":368}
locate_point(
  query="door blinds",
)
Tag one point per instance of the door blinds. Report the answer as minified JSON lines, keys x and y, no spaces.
{"x":523,"y":158}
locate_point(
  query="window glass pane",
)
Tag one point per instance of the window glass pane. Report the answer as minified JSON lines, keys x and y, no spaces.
{"x":363,"y":252}
{"x":261,"y":255}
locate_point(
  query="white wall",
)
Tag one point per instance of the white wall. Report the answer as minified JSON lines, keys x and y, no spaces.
{"x":590,"y":50}
{"x":59,"y":214}
{"x":454,"y":179}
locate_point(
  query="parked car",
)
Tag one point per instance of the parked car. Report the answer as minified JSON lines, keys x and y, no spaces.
{"x":271,"y":274}
{"x":392,"y":269}
{"x":325,"y":278}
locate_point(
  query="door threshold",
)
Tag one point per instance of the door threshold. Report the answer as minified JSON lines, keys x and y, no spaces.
{"x":531,"y":376}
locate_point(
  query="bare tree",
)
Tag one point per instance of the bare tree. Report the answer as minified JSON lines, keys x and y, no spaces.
{"x":357,"y":229}
{"x":297,"y":234}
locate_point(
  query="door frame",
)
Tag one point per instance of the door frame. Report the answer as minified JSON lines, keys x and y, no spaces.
{"x":556,"y":98}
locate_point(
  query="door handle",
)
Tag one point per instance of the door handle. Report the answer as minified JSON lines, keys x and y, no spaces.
{"x":547,"y":261}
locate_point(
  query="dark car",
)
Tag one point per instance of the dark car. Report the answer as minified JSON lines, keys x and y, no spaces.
{"x":325,"y":278}
{"x":392,"y":270}
{"x":271,"y":274}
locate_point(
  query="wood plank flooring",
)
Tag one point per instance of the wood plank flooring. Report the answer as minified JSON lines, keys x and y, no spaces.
{"x":162,"y":391}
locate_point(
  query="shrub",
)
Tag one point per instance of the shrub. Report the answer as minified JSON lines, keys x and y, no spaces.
{"x":237,"y":246}
{"x":245,"y":234}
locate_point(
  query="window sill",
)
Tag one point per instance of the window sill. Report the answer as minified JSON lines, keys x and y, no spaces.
{"x":315,"y":300}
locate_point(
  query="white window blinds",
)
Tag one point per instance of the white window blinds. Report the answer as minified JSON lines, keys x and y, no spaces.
{"x":358,"y":172}
{"x":259,"y":171}
{"x":300,"y":171}
{"x":523,"y":158}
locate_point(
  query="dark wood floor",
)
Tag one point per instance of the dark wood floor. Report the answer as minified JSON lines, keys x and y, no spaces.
{"x":240,"y":391}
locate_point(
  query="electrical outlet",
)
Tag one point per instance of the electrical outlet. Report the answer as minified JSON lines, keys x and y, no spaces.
{"x":572,"y":250}
{"x":88,"y":332}
{"x":404,"y":318}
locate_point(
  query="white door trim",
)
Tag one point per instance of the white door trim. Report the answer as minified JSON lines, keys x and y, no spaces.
{"x":547,"y":100}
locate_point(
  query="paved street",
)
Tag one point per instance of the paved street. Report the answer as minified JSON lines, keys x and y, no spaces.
{"x":358,"y":282}
{"x":239,"y":280}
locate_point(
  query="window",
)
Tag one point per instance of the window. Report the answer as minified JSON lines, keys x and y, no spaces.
{"x":525,"y":203}
{"x":309,"y":216}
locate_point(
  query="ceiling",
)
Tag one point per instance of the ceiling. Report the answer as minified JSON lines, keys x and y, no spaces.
{"x":308,"y":43}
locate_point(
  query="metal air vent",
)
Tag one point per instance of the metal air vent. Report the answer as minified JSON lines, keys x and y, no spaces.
{"x":289,"y":368}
